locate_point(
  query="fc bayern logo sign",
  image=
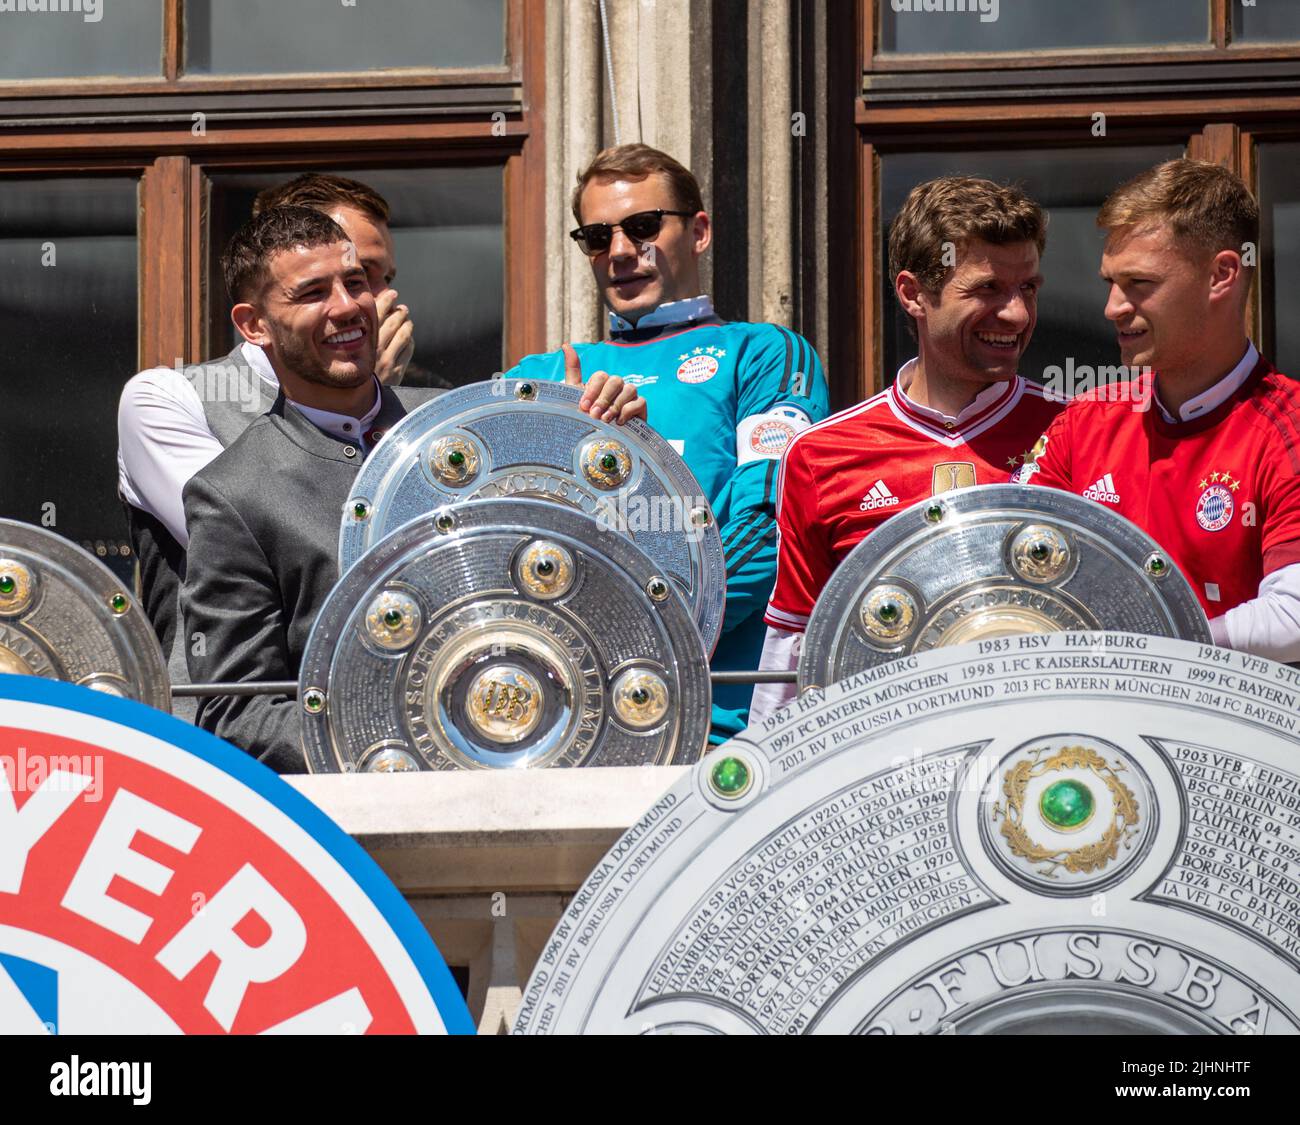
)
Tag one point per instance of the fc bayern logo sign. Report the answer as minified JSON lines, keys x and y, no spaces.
{"x":1214,"y":508}
{"x":155,"y":879}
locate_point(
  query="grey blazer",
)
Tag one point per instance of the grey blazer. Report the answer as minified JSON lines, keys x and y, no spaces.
{"x":161,"y":558}
{"x":263,"y":520}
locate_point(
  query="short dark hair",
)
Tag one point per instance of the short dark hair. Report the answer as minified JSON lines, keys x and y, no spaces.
{"x":958,"y":210}
{"x":954,"y":211}
{"x":635,"y":162}
{"x":244,"y":264}
{"x":323,"y":191}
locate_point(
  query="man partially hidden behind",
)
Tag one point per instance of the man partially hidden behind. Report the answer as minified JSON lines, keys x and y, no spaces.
{"x":169,"y":424}
{"x":964,"y":255}
{"x":1202,"y":449}
{"x":728,"y":396}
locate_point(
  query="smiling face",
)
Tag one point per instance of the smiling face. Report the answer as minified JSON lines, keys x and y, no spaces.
{"x":636,"y":278}
{"x":976,"y":328}
{"x":316,"y":317}
{"x":1159,"y":298}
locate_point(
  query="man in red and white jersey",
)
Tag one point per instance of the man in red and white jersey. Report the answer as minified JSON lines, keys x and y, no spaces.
{"x":1202,"y":449}
{"x":964,"y":255}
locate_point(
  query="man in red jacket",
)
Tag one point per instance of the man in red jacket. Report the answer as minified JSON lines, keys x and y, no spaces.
{"x":1202,"y":449}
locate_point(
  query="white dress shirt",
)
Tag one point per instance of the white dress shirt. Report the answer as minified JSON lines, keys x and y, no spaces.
{"x":344,"y":426}
{"x":163,"y":438}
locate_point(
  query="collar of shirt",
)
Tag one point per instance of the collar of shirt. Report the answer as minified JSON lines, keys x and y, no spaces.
{"x":258,"y":361}
{"x":1218,"y":394}
{"x":342,"y":426}
{"x":674,"y":312}
{"x":979,"y":403}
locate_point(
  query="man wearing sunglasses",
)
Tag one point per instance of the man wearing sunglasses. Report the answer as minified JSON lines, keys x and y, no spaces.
{"x":729,"y":396}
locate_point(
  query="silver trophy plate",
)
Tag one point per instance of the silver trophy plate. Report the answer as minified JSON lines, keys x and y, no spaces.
{"x":526,"y":439}
{"x":992,"y":561}
{"x":1078,"y":832}
{"x":503,"y":634}
{"x":65,"y":616}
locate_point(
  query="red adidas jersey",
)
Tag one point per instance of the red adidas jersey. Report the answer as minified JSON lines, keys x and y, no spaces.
{"x":845,"y":476}
{"x":1219,"y":493}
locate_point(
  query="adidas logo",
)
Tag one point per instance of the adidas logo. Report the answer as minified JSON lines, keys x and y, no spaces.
{"x":878,"y":497}
{"x":1103,"y":490}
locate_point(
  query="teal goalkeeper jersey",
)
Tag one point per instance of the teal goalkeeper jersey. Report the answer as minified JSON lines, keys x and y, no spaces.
{"x":728,"y":397}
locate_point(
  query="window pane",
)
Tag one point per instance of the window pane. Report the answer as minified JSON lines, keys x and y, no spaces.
{"x":1071,"y":184}
{"x":295,"y":36}
{"x":963,"y":26}
{"x":1271,"y":20}
{"x":93,"y":38}
{"x":449,"y":247}
{"x":68,"y":320}
{"x":1279,"y":213}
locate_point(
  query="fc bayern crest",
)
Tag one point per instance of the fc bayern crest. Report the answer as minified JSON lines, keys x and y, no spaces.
{"x":154,"y":879}
{"x":1214,"y":508}
{"x":697,"y":368}
{"x":771,"y":437}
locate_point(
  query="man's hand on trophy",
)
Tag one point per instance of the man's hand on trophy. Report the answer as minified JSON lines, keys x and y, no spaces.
{"x":396,"y":343}
{"x":604,"y":396}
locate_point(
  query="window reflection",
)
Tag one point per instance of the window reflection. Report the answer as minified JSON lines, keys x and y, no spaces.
{"x":295,"y":36}
{"x":1279,"y":214}
{"x":92,"y":39}
{"x":1265,"y":22}
{"x":68,"y":319}
{"x":1034,"y":25}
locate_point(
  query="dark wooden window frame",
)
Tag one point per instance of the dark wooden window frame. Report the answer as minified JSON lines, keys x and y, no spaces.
{"x":1220,"y":100}
{"x":147,"y":127}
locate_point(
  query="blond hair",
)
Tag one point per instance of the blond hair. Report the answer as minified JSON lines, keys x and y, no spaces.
{"x":1205,"y":205}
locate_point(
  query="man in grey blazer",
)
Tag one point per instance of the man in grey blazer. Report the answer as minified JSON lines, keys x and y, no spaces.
{"x":170,"y":423}
{"x":263,"y":517}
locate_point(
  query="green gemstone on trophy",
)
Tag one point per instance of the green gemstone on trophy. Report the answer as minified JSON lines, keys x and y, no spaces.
{"x":545,"y":567}
{"x":360,"y":510}
{"x":117,"y":603}
{"x":393,"y":618}
{"x":889,"y":612}
{"x":609,"y":462}
{"x":934,"y":513}
{"x":455,"y":458}
{"x":7,"y":584}
{"x":1066,"y":804}
{"x":730,"y":776}
{"x":1039,"y":551}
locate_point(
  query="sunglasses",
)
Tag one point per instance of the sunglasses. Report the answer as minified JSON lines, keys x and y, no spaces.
{"x":644,"y":226}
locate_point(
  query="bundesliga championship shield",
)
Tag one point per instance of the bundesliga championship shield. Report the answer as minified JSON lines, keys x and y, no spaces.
{"x":1074,"y":833}
{"x":65,"y":616}
{"x":503,"y":634}
{"x":526,"y":439}
{"x":993,"y":561}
